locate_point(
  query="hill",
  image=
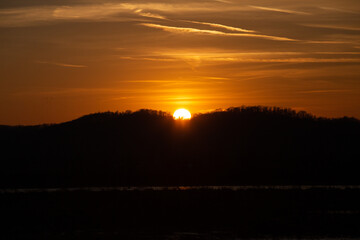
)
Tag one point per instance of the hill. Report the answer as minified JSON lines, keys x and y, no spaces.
{"x":238,"y":146}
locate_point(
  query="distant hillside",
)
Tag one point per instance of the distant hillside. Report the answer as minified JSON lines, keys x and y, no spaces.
{"x":245,"y":145}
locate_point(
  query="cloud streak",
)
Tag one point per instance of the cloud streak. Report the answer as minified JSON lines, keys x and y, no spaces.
{"x":212,"y":32}
{"x":198,"y":58}
{"x":338,"y":10}
{"x":349,"y":28}
{"x":280,"y":10}
{"x":63,"y":64}
{"x":326,"y":91}
{"x":28,"y":16}
{"x":35,"y":15}
{"x":216,"y":25}
{"x":147,"y":14}
{"x":329,"y":42}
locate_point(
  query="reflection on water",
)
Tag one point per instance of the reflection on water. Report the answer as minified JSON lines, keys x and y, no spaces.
{"x":182,"y":188}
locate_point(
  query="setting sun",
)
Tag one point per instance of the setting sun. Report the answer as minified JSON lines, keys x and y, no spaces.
{"x":182,"y":114}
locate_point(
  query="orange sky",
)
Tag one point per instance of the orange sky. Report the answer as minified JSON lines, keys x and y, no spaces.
{"x":63,"y":59}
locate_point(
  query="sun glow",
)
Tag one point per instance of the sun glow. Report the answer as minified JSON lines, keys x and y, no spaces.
{"x":182,"y":114}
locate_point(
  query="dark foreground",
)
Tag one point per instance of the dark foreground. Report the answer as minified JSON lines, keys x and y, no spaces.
{"x":239,"y":146}
{"x":182,"y":213}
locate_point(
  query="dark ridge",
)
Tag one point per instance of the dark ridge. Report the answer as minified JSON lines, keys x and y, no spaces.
{"x":238,"y":146}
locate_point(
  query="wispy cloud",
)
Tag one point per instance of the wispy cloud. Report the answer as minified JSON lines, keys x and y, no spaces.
{"x":196,"y":59}
{"x":25,"y":16}
{"x":147,"y":58}
{"x":305,"y":60}
{"x":147,"y":14}
{"x":70,"y":91}
{"x":234,"y":29}
{"x":280,"y":10}
{"x":179,"y":6}
{"x":223,"y":1}
{"x":329,"y":42}
{"x":106,"y":11}
{"x":28,"y":16}
{"x":101,"y":11}
{"x":327,"y":91}
{"x":212,"y":32}
{"x":182,"y":29}
{"x":63,"y":64}
{"x":349,"y":28}
{"x":338,"y":53}
{"x":151,"y":81}
{"x":338,"y":10}
{"x":96,"y":11}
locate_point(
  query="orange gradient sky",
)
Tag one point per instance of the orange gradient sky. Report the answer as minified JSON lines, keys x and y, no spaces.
{"x":63,"y":59}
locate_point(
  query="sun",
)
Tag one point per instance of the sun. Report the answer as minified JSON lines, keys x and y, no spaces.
{"x":182,"y":114}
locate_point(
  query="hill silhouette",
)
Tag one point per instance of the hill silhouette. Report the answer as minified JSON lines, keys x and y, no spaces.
{"x":238,"y":146}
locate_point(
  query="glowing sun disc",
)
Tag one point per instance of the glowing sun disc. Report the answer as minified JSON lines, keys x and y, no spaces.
{"x":182,"y":114}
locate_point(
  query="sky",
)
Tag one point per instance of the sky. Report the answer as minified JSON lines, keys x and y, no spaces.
{"x":62,"y":59}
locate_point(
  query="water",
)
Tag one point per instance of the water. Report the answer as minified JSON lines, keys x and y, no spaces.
{"x":182,"y":188}
{"x":182,"y":212}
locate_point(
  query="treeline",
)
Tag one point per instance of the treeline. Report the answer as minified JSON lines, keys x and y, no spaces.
{"x":238,"y":146}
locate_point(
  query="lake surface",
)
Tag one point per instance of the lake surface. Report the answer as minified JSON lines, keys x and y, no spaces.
{"x":182,"y":212}
{"x":182,"y":188}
